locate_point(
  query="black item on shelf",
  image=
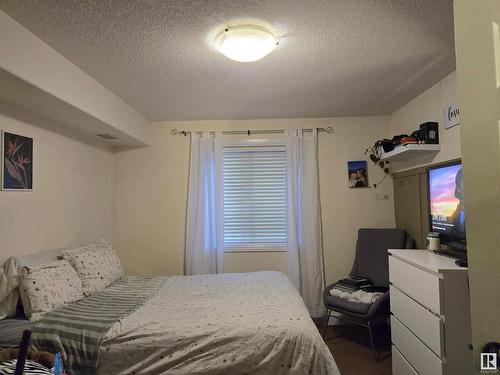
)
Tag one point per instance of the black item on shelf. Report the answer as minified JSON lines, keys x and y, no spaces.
{"x":396,"y":140}
{"x":385,"y":144}
{"x":429,"y":133}
{"x":416,"y":135}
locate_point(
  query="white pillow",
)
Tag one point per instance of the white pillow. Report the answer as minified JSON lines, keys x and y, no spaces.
{"x":95,"y":246}
{"x":9,"y":291}
{"x":48,"y":286}
{"x":69,"y":253}
{"x":100,"y":244}
{"x":114,"y":269}
{"x":98,"y":267}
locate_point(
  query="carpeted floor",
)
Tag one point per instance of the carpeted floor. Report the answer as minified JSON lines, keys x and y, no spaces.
{"x":352,"y":351}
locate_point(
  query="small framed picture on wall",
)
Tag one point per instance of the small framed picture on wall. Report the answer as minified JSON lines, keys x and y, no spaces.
{"x":17,"y":162}
{"x":357,"y":173}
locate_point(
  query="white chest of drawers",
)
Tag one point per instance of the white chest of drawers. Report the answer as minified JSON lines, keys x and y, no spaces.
{"x":430,"y":314}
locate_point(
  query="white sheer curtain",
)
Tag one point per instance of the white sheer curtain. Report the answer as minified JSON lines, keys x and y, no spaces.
{"x":305,"y":244}
{"x":204,"y":241}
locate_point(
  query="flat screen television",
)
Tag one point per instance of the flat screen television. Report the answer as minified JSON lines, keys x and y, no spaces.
{"x":446,"y":204}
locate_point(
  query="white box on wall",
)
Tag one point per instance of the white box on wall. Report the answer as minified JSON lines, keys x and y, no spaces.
{"x":451,"y":116}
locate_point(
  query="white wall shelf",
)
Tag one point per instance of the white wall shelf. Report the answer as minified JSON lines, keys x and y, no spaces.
{"x":409,"y":151}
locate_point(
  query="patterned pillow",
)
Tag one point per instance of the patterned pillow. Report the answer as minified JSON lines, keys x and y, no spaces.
{"x":69,"y":253}
{"x":97,"y":245}
{"x":100,"y":244}
{"x":114,"y":269}
{"x":48,"y":286}
{"x":97,"y":267}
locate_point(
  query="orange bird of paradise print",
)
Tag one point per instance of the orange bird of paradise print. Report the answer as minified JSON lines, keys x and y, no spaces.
{"x":17,"y":165}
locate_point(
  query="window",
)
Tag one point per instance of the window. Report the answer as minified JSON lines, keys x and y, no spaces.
{"x":254,"y":181}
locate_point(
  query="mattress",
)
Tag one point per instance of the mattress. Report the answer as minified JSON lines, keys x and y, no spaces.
{"x":249,"y":323}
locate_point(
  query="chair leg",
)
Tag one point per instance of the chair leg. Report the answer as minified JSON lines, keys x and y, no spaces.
{"x":326,"y":329}
{"x":376,"y":355}
{"x":326,"y":324}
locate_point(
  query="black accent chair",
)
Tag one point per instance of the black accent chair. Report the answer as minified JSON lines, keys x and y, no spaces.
{"x":371,"y":261}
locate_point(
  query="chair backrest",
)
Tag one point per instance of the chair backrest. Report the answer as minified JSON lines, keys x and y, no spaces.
{"x":372,"y":259}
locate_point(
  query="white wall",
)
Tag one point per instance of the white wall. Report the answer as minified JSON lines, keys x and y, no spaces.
{"x":76,"y":198}
{"x":72,"y":197}
{"x":428,"y":106}
{"x":477,"y":38}
{"x":28,"y":58}
{"x":151,"y":196}
{"x":75,"y":189}
{"x":151,"y":186}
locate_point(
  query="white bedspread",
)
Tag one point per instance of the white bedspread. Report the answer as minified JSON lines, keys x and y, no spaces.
{"x":249,"y":323}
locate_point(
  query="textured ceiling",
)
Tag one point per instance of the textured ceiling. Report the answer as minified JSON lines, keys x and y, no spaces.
{"x":335,"y":58}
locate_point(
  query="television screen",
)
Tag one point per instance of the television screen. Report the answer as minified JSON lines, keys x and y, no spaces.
{"x":446,"y":198}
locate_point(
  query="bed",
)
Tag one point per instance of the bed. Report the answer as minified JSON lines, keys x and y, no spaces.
{"x":249,"y":323}
{"x":11,"y":331}
{"x":246,"y":323}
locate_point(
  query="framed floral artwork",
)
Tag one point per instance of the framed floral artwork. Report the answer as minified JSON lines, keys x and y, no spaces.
{"x":17,"y":162}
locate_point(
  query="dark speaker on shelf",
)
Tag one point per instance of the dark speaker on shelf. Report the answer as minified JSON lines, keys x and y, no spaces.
{"x":429,"y":133}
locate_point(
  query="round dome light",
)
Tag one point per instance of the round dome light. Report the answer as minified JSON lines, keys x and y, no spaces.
{"x":245,"y":43}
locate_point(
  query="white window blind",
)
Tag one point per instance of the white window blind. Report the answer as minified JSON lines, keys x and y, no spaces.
{"x":254,"y":198}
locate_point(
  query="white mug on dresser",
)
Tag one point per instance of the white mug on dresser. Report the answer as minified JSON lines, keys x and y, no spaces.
{"x":433,"y":241}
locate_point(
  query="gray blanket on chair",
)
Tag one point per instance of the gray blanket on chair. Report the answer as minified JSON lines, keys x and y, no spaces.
{"x":79,"y":329}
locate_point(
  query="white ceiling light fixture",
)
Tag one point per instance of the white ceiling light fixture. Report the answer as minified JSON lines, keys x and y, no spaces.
{"x":245,"y":43}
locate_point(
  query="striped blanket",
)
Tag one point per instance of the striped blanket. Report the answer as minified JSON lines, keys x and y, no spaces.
{"x":30,"y":368}
{"x":79,"y":329}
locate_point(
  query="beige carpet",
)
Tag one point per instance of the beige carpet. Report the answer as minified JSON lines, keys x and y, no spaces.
{"x":352,"y":351}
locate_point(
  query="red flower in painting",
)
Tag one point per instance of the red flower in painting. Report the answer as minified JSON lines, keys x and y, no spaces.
{"x":12,"y":148}
{"x":17,"y":161}
{"x":22,"y":160}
